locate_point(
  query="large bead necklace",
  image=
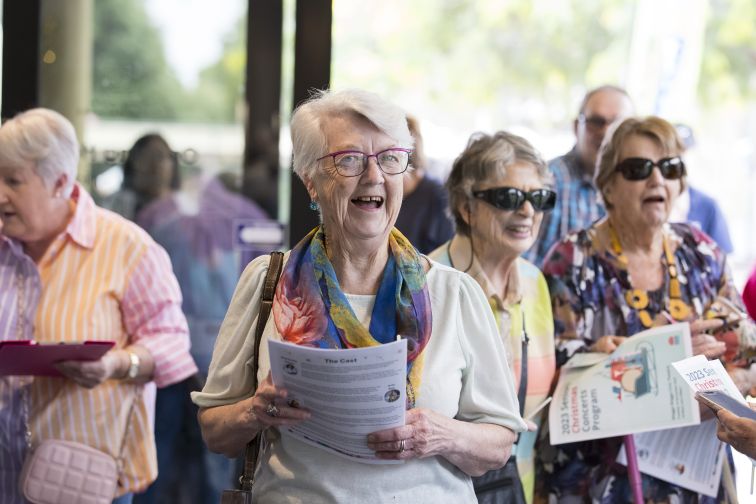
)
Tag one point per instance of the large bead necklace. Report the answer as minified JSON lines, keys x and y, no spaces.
{"x":638,"y":299}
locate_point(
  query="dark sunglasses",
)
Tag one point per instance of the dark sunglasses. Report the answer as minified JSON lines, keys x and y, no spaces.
{"x":511,"y":198}
{"x":635,"y":168}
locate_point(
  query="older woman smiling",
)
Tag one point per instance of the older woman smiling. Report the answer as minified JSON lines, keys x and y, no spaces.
{"x":337,"y":287}
{"x":631,"y":271}
{"x":69,"y":272}
{"x":499,"y":192}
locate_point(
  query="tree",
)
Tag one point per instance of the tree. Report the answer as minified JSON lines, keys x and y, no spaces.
{"x":728,"y":70}
{"x":221,"y":85}
{"x":131,"y":76}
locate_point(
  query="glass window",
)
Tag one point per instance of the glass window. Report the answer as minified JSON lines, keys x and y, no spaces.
{"x":179,"y":77}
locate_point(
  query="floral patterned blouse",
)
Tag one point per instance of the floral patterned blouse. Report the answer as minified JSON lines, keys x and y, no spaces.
{"x":592,"y":296}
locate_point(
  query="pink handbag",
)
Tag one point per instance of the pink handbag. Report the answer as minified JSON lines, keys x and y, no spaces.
{"x":66,"y":472}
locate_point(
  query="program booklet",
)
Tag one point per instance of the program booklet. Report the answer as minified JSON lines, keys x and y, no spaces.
{"x":634,"y":389}
{"x":351,"y":393}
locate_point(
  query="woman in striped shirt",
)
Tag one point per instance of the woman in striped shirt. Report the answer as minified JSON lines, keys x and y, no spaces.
{"x":70,"y":271}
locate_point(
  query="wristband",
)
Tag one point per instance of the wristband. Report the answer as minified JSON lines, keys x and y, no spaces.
{"x":134,"y":362}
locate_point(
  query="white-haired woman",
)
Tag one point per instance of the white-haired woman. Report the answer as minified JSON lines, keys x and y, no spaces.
{"x":70,"y":272}
{"x":499,"y":191}
{"x":350,"y":150}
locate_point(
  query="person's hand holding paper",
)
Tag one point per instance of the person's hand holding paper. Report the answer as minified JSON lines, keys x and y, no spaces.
{"x":737,"y":431}
{"x":134,"y":363}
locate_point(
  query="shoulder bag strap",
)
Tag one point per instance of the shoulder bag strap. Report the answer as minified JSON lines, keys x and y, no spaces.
{"x":269,"y":290}
{"x":522,"y":392}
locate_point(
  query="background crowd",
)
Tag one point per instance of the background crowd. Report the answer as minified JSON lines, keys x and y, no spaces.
{"x":496,"y":279}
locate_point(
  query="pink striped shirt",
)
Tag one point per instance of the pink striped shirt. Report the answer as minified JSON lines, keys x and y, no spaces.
{"x":103,"y":278}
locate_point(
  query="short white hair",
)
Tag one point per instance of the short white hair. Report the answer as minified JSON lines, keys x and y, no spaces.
{"x":45,"y":138}
{"x":307,"y":123}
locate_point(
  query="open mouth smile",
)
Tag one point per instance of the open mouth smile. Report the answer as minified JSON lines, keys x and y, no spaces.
{"x":368,"y":202}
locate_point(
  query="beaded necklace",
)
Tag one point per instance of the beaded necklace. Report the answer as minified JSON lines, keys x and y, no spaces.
{"x":638,"y":298}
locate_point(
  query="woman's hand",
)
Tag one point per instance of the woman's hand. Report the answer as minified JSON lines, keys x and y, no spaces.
{"x":474,"y":448}
{"x":227,"y":429}
{"x":704,"y":343}
{"x":89,"y":374}
{"x":607,"y":344}
{"x":420,"y":437}
{"x":270,"y":408}
{"x":738,"y":432}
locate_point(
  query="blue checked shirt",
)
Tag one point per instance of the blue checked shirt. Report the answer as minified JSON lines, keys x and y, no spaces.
{"x":577,"y":207}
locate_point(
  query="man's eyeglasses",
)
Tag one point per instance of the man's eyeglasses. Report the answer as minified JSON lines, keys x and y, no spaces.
{"x":511,"y":198}
{"x":636,"y":168}
{"x":595,"y":123}
{"x":352,"y":163}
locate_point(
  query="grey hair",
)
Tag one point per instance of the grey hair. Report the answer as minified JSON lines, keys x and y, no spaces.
{"x":484,"y":157}
{"x":307,"y":123}
{"x":47,"y":139}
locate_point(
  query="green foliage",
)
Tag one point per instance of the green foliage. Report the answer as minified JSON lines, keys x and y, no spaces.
{"x":131,"y":76}
{"x":728,"y":70}
{"x":522,"y":60}
{"x":499,"y":56}
{"x":220,"y":90}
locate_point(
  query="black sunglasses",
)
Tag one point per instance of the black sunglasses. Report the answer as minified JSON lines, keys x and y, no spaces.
{"x":635,"y":168}
{"x":511,"y":198}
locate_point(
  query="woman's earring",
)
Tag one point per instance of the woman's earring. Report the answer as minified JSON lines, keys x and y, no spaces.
{"x":314,"y":206}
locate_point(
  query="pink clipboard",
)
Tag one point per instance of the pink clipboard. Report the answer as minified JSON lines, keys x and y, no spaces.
{"x":26,"y":357}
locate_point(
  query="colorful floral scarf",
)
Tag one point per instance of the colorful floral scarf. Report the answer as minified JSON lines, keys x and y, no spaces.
{"x":310,"y":308}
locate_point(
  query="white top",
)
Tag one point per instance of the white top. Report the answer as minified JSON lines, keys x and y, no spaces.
{"x":465,"y":376}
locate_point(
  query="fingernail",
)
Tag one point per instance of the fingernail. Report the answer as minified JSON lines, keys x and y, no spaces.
{"x":371,"y":438}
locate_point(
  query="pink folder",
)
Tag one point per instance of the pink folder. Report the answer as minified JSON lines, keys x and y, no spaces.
{"x":26,"y":357}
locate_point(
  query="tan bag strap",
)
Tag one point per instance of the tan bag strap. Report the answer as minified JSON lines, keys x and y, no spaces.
{"x":269,"y":290}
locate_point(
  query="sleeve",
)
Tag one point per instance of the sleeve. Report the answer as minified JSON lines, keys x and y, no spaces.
{"x":560,"y":274}
{"x":718,"y":229}
{"x":749,"y":295}
{"x":152,"y":315}
{"x":488,"y":394}
{"x":230,"y":377}
{"x":741,"y":342}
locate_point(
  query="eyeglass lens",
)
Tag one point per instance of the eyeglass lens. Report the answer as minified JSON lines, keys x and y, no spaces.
{"x":641,"y":168}
{"x":596,"y":122}
{"x":353,"y":163}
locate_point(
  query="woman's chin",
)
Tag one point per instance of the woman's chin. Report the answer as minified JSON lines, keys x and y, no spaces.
{"x":367,"y":229}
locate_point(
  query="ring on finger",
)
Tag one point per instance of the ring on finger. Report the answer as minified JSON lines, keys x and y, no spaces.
{"x":272,"y":410}
{"x":402,"y":445}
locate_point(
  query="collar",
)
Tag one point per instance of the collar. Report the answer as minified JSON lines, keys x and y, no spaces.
{"x":82,"y":226}
{"x":15,"y":246}
{"x":459,"y":254}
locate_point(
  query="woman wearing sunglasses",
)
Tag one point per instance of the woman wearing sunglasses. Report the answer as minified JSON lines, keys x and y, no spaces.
{"x":631,"y":271}
{"x":498,"y":194}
